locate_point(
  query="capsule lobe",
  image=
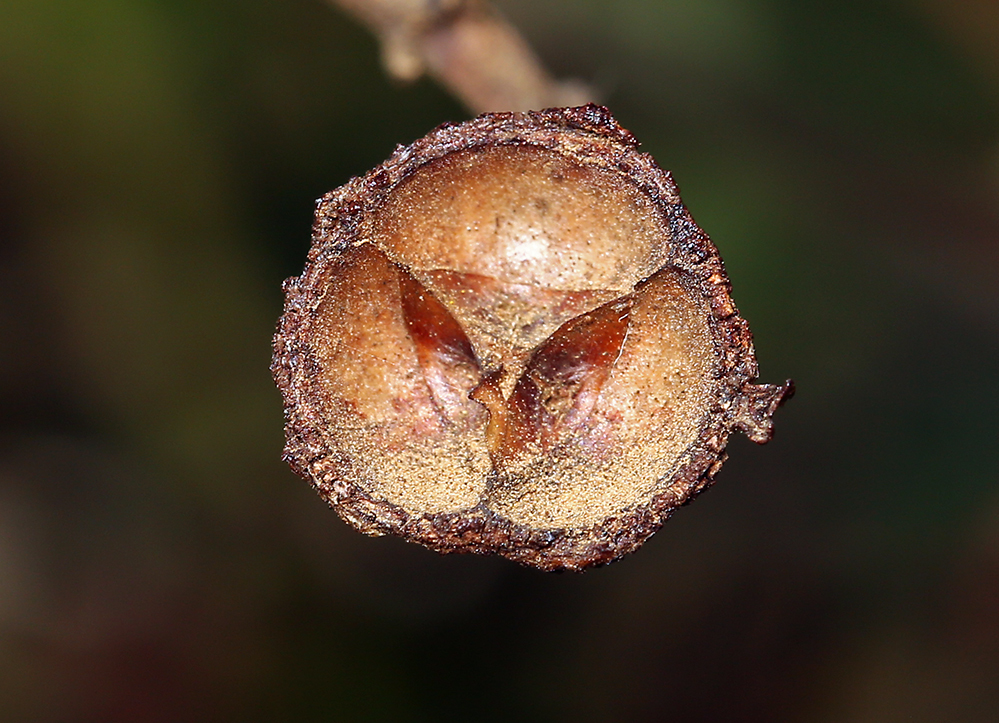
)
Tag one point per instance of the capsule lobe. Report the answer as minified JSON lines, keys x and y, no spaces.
{"x":395,"y":373}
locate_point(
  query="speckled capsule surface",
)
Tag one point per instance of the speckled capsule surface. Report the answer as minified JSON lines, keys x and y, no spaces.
{"x":512,"y":338}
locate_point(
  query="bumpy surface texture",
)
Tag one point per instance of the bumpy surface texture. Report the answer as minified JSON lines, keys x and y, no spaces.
{"x":512,"y":338}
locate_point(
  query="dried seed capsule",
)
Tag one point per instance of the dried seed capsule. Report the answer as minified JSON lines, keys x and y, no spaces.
{"x":512,"y":338}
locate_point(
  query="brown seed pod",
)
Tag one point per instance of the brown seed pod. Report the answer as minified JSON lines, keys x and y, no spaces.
{"x":512,"y":338}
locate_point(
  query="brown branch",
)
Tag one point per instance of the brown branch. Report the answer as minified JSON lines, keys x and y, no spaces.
{"x":467,"y":47}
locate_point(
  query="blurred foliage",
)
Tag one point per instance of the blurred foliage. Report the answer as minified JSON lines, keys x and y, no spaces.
{"x":158,"y":166}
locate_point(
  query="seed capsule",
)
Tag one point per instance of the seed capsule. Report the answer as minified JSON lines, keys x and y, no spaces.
{"x":512,"y":338}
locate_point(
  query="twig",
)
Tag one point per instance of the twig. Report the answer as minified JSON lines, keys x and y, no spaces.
{"x":467,"y":47}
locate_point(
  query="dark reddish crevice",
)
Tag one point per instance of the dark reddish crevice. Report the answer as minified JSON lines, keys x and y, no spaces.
{"x":443,"y":350}
{"x":558,"y":391}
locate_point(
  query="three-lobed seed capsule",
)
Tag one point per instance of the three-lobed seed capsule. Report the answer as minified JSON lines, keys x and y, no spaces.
{"x":512,"y":338}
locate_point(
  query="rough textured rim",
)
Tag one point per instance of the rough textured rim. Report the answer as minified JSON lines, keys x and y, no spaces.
{"x":590,"y":136}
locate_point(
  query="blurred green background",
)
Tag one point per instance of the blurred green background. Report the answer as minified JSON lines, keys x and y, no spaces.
{"x":158,"y":166}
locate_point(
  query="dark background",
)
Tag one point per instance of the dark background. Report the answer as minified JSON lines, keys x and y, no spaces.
{"x":158,"y":166}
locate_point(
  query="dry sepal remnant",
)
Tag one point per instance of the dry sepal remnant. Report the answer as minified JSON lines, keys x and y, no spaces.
{"x":512,"y":338}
